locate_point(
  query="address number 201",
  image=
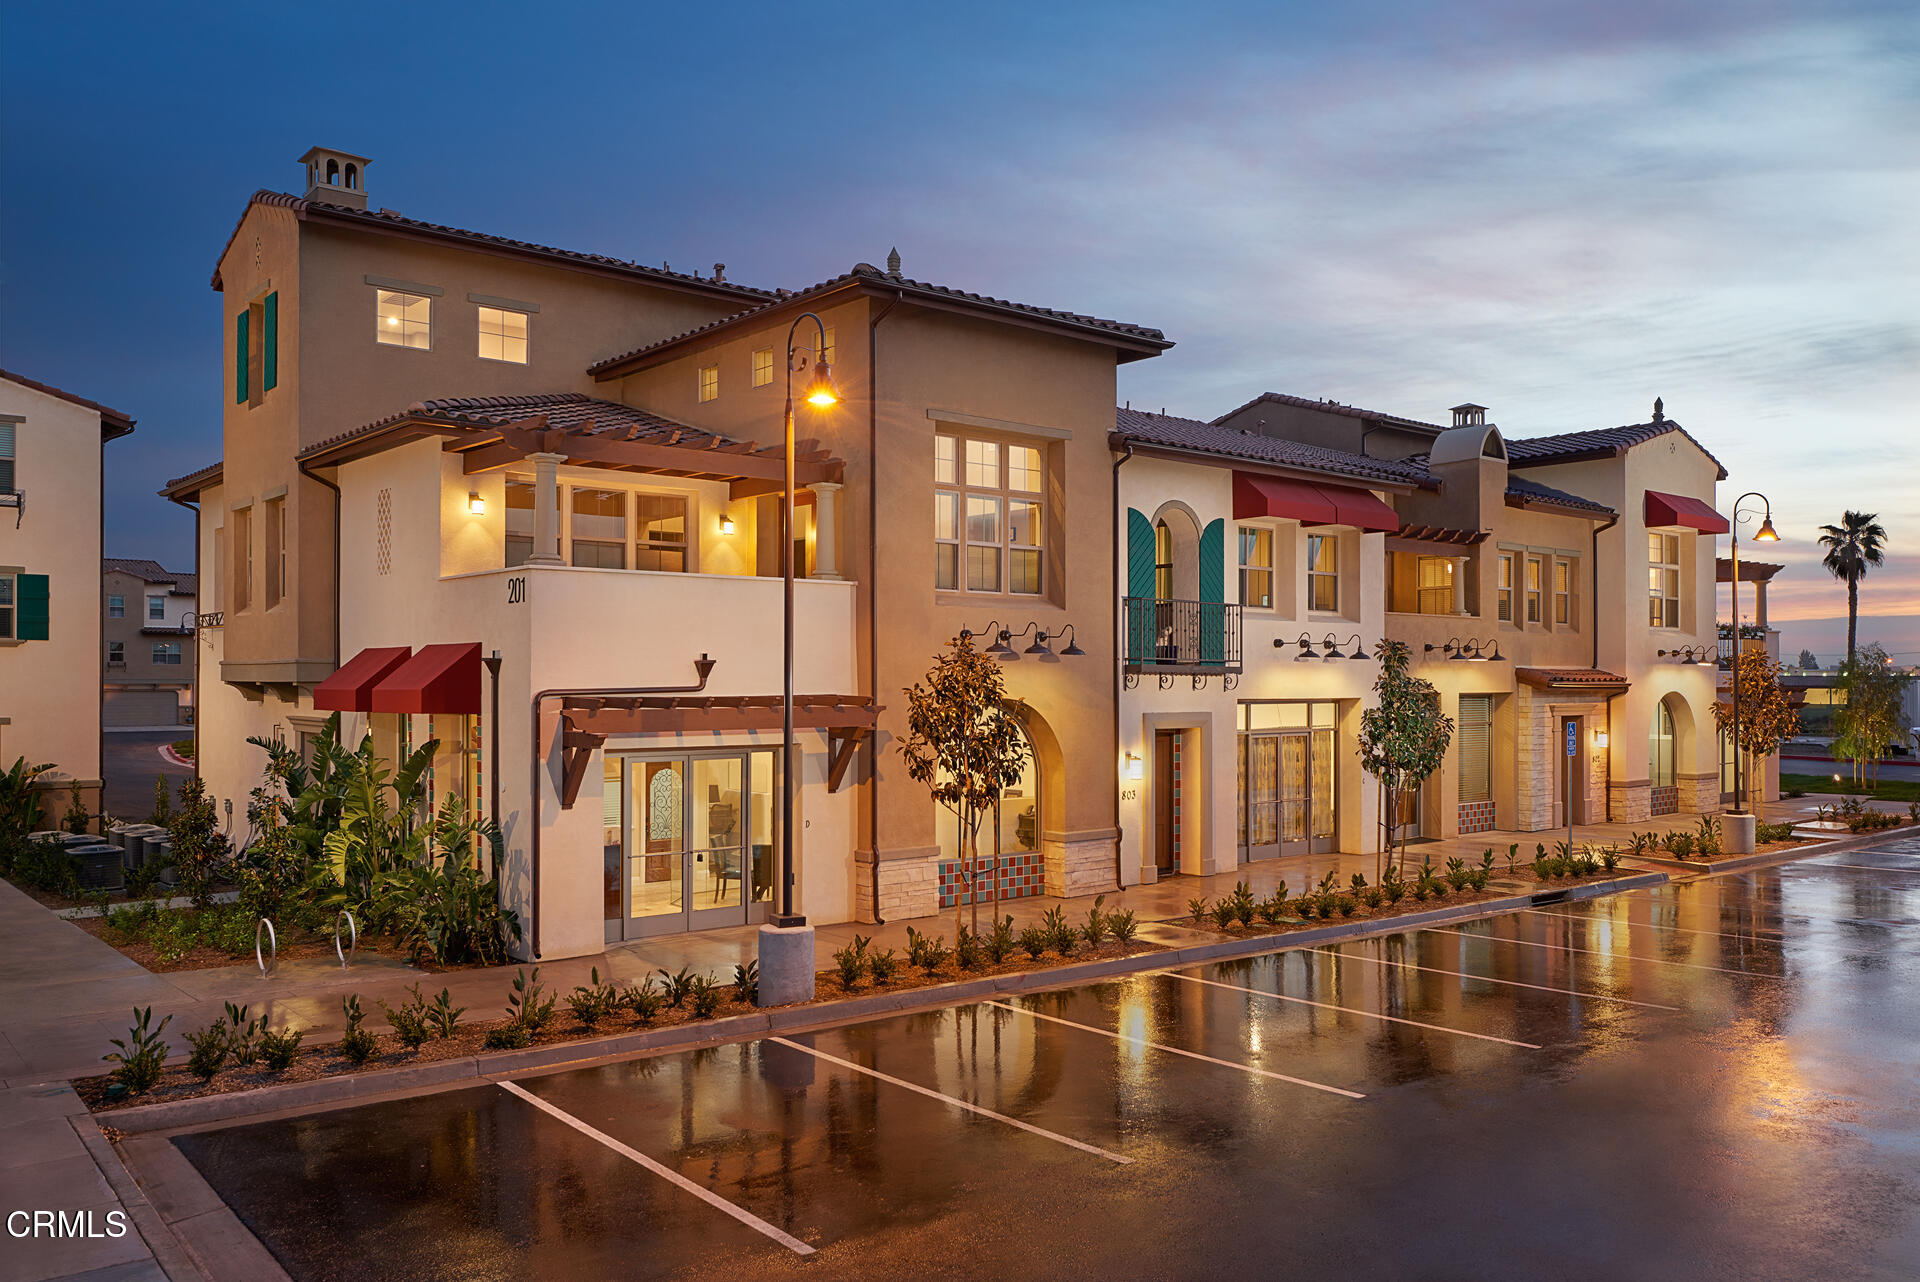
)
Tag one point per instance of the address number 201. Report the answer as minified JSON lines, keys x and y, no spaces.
{"x":517,"y":590}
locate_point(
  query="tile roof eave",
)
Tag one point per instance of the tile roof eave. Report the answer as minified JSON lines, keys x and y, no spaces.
{"x":1140,"y":340}
{"x":113,"y":423}
{"x":184,"y":488}
{"x":1333,"y":407}
{"x":1599,"y":443}
{"x":414,"y":228}
{"x":1119,"y":441}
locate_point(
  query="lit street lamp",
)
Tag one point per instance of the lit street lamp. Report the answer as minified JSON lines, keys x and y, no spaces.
{"x":1765,"y":534}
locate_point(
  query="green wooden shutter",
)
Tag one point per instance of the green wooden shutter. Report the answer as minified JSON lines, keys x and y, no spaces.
{"x":30,"y":592}
{"x":1213,"y":591}
{"x":1140,"y":584}
{"x":240,"y":358}
{"x":270,"y":344}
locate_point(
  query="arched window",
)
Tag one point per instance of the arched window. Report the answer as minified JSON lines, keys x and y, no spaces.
{"x":1660,"y":747}
{"x":1162,"y":561}
{"x":353,"y":177}
{"x":333,"y":173}
{"x":1019,"y":816}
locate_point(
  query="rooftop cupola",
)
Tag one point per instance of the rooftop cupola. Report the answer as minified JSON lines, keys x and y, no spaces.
{"x":336,"y":177}
{"x":1469,"y":415}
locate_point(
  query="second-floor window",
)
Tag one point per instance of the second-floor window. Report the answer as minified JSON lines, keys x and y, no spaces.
{"x":1533,"y":590}
{"x":116,"y":607}
{"x":503,"y":335}
{"x":1323,"y":573}
{"x":1663,"y":580}
{"x":156,"y":609}
{"x":709,"y":382}
{"x":401,"y":319}
{"x":117,"y":653}
{"x":1563,"y":603}
{"x":1434,"y":574}
{"x":1505,"y":588}
{"x":276,"y":551}
{"x":166,"y":652}
{"x":242,"y":549}
{"x":6,"y":458}
{"x":988,"y":515}
{"x":600,"y":528}
{"x":660,"y":532}
{"x":762,"y":366}
{"x":1256,"y":567}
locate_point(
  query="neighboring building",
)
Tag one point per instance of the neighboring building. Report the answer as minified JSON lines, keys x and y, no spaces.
{"x":51,"y":459}
{"x":148,"y":614}
{"x":509,"y":484}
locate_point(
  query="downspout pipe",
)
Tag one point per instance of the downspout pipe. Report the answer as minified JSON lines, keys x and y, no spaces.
{"x":200,"y":591}
{"x":1118,"y":608}
{"x":873,"y":594}
{"x":703,"y":666}
{"x":1593,"y":556}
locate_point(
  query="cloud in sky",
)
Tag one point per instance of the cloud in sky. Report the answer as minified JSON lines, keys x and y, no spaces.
{"x":1560,"y":211}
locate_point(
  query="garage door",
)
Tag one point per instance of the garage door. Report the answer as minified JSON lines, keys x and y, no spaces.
{"x":141,"y":708}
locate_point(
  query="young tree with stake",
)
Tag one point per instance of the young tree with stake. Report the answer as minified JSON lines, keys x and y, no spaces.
{"x":1404,"y":736}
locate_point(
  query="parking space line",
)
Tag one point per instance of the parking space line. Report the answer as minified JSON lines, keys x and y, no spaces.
{"x":706,"y":1195}
{"x":1756,"y":933}
{"x":1511,"y":983}
{"x":1175,"y":1050}
{"x":1861,"y":867}
{"x":970,"y":1107}
{"x":1595,"y":952}
{"x":1351,"y":1010}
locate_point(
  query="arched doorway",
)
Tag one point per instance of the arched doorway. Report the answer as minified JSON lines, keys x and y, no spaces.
{"x":1017,"y":828}
{"x":1663,"y":755}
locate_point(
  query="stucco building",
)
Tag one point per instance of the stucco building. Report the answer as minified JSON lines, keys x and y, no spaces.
{"x":51,"y":460}
{"x":148,"y":614}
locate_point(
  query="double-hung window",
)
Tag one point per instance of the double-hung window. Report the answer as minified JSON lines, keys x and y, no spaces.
{"x":402,"y":319}
{"x":660,"y":532}
{"x":1434,"y":577}
{"x":600,"y":528}
{"x":117,"y":654}
{"x":762,"y":366}
{"x":709,"y":382}
{"x":988,"y":515}
{"x":8,"y":600}
{"x":1663,"y":580}
{"x":1323,"y":573}
{"x":157,"y":609}
{"x":1256,"y":567}
{"x":165,"y":652}
{"x":116,"y":607}
{"x":1476,"y":747}
{"x":503,"y":335}
{"x":1565,"y":613}
{"x":1533,"y":590}
{"x":519,"y":521}
{"x":6,"y":457}
{"x":1505,"y":592}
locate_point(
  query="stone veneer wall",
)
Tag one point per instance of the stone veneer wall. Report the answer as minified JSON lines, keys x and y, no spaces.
{"x":1629,"y":803}
{"x":1080,"y":864}
{"x":908,"y":887}
{"x":1699,"y":792}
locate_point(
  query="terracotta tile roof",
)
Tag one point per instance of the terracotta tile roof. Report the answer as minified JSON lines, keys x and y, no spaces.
{"x":139,"y":568}
{"x":386,"y":220}
{"x":1521,"y":491}
{"x":1570,"y":678}
{"x":1333,"y":407}
{"x":571,"y":412}
{"x":868,"y":275}
{"x":112,"y":422}
{"x":1142,"y":428}
{"x":1605,"y":442}
{"x":192,"y":483}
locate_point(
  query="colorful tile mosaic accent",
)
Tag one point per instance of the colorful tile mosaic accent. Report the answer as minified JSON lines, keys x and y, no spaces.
{"x":1476,"y":816}
{"x":1665,"y":801}
{"x":1022,"y":876}
{"x":1176,"y":805}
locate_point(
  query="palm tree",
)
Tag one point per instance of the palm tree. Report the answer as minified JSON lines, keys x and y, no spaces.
{"x":1853,"y":546}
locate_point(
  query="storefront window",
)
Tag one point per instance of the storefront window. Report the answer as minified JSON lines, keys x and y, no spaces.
{"x":1019,"y":818}
{"x":1660,"y":747}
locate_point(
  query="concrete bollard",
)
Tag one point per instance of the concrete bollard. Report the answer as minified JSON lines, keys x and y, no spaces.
{"x":786,"y":965}
{"x":1736,"y":834}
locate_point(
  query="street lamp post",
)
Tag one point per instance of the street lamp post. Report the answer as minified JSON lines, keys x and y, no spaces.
{"x":1765,"y":534}
{"x":786,"y":951}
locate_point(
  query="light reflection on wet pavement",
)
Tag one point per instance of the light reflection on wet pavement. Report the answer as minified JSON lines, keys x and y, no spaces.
{"x":1727,"y":1084}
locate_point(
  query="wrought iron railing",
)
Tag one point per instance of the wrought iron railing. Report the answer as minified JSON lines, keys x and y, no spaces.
{"x":1182,"y":636}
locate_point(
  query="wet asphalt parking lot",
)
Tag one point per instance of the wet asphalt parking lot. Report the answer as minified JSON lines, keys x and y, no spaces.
{"x":1714,"y":1080}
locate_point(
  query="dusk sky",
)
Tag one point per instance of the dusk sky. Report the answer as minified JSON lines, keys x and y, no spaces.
{"x":1560,"y":212}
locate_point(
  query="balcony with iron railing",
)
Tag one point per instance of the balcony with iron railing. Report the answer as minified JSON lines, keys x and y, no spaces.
{"x":1752,"y":638}
{"x":1198,"y":637}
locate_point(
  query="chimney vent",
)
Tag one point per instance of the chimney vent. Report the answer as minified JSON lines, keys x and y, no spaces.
{"x":1469,"y":415}
{"x":720,"y":272}
{"x":1659,"y":411}
{"x":893,"y":263}
{"x":336,"y":177}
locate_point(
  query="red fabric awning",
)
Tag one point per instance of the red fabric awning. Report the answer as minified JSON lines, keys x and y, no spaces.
{"x":1680,"y":510}
{"x":440,"y":678}
{"x":1310,"y":504}
{"x":350,"y":688}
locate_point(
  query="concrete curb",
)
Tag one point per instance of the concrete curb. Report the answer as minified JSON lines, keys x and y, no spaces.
{"x":782,"y":1020}
{"x":1852,"y":841}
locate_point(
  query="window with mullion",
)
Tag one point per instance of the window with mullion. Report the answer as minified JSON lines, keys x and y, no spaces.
{"x":988,"y":516}
{"x":1256,"y":567}
{"x":1663,"y":580}
{"x":1323,"y":573}
{"x":599,"y":528}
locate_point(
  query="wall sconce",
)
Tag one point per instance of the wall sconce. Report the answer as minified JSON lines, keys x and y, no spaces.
{"x":726,"y":523}
{"x":1136,"y":768}
{"x":1600,"y":739}
{"x":475,"y":504}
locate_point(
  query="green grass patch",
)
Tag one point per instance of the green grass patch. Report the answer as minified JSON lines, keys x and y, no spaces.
{"x":183,"y":748}
{"x":1889,"y":789}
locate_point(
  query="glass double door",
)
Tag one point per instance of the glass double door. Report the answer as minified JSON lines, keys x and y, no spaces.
{"x":689,"y":842}
{"x":1289,"y":793}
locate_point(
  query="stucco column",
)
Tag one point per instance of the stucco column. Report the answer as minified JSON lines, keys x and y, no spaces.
{"x":826,"y":530}
{"x":546,"y":508}
{"x":1459,"y":585}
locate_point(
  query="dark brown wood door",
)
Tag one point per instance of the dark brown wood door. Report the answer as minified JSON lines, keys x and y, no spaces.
{"x":1163,"y":800}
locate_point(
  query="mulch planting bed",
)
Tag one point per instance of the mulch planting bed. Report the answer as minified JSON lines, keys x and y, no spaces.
{"x":319,"y":1061}
{"x":295,"y":944}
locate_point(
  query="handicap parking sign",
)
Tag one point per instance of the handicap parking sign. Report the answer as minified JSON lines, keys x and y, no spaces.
{"x":1572,"y":730}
